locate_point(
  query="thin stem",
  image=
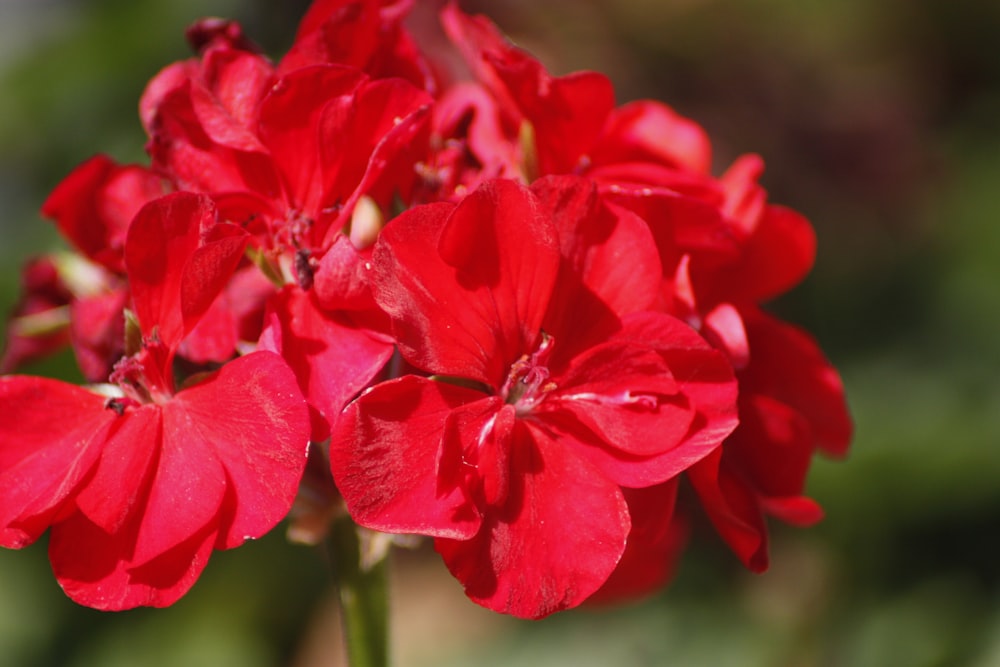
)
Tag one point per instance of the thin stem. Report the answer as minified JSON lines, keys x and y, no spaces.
{"x":363,"y":597}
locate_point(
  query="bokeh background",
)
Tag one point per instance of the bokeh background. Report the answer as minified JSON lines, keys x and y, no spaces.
{"x":879,"y":119}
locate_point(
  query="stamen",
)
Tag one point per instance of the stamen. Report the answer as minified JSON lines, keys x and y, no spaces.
{"x":640,"y":400}
{"x":528,"y":381}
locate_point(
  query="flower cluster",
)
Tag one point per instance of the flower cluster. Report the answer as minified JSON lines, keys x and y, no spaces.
{"x":498,"y":309}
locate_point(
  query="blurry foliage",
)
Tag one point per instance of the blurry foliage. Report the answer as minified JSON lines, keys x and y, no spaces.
{"x":879,"y":120}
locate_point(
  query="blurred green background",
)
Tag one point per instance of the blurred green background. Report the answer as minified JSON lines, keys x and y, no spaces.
{"x":880,"y":120}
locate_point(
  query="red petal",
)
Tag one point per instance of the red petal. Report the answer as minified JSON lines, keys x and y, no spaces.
{"x":97,"y":329}
{"x":178,"y":260}
{"x":95,"y":203}
{"x":555,"y":540}
{"x":351,"y":136}
{"x":766,"y":458}
{"x":166,"y":81}
{"x":787,"y":364}
{"x":118,"y":487}
{"x":332,"y":359}
{"x":474,"y":36}
{"x":478,"y":435}
{"x":772,"y":448}
{"x":387,"y":459}
{"x":290,"y":118}
{"x":243,"y":430}
{"x":215,"y":33}
{"x":610,"y":266}
{"x":704,"y":375}
{"x":778,"y":255}
{"x":567,"y":112}
{"x":330,"y":14}
{"x":209,"y":270}
{"x":186,"y":488}
{"x":370,"y":146}
{"x":342,"y":279}
{"x":723,"y":328}
{"x":180,"y":148}
{"x":248,"y":292}
{"x":467,"y":287}
{"x":107,"y":578}
{"x":466,"y":111}
{"x":649,"y":131}
{"x":796,"y":510}
{"x":745,"y":199}
{"x":214,"y":338}
{"x":348,"y":32}
{"x":567,"y":118}
{"x":160,"y":241}
{"x":655,"y":543}
{"x":626,"y":395}
{"x":733,"y":509}
{"x":775,"y":258}
{"x":681,"y":223}
{"x":704,"y":406}
{"x":51,"y":434}
{"x":227,"y":110}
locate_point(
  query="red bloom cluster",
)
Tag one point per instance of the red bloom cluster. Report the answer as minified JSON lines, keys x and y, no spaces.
{"x":513,"y":314}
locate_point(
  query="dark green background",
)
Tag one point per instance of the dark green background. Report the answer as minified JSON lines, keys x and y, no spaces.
{"x":879,"y":119}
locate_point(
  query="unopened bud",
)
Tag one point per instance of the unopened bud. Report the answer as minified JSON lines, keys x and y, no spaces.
{"x":366,"y":222}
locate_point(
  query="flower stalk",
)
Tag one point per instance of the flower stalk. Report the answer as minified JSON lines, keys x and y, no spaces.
{"x":363,"y":593}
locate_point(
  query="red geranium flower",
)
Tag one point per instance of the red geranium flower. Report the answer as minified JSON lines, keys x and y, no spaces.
{"x":724,"y":250}
{"x":39,"y":322}
{"x":791,"y":405}
{"x":146,"y":480}
{"x":553,"y":386}
{"x":575,"y":329}
{"x":79,"y":297}
{"x":288,"y":154}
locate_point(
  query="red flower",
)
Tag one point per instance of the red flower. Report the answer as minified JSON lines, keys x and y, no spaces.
{"x":290,"y":151}
{"x":565,"y":114}
{"x":724,"y":249}
{"x":38,"y":325}
{"x":575,"y":329}
{"x":791,"y":404}
{"x":147,"y":481}
{"x":288,"y":154}
{"x":79,"y":298}
{"x":92,"y":207}
{"x":552,"y":388}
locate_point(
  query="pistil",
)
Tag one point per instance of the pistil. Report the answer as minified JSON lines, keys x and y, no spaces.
{"x":528,"y":381}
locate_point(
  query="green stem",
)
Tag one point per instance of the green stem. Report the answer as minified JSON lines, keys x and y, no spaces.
{"x":363,"y":592}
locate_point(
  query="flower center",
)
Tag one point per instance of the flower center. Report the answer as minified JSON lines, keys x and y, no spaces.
{"x":140,"y":376}
{"x":528,"y":381}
